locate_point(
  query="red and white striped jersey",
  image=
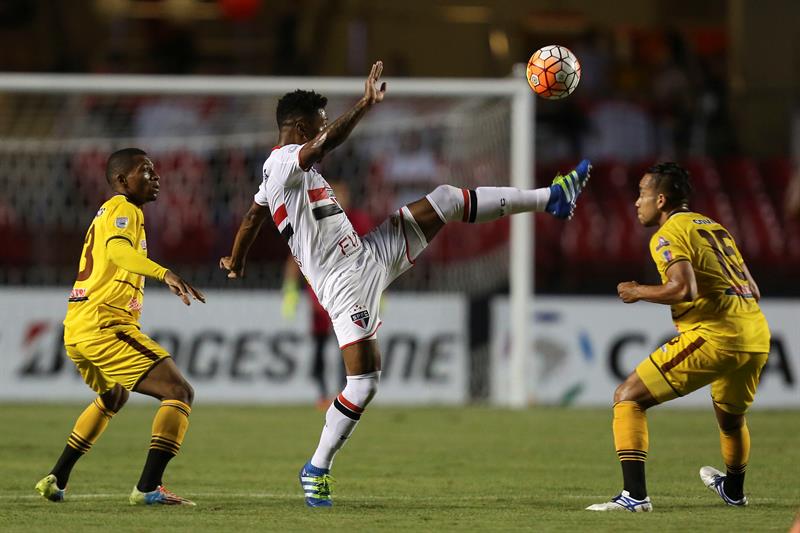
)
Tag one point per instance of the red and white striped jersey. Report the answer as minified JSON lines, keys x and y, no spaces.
{"x":306,"y":213}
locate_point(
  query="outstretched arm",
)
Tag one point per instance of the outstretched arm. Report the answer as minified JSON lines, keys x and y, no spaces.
{"x":248,"y":230}
{"x":335,"y":134}
{"x":681,"y":286}
{"x":122,"y":254}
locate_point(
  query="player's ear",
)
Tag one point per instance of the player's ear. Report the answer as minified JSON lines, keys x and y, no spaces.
{"x":661,"y":200}
{"x":302,"y":128}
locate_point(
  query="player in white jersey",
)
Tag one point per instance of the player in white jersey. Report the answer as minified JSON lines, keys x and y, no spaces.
{"x":348,"y":272}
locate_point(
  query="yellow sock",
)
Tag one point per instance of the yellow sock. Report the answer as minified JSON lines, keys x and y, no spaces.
{"x":735,"y":447}
{"x":169,"y":426}
{"x":630,"y":432}
{"x":89,"y":426}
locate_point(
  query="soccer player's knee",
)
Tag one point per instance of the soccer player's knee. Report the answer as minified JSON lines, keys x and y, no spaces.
{"x":448,"y":202}
{"x":180,"y":390}
{"x":361,"y":389}
{"x":115,"y":399}
{"x":625,"y":392}
{"x":728,"y":422}
{"x":619,"y":393}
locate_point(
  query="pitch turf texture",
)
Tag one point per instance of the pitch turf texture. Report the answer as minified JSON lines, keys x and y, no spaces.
{"x":431,"y":469}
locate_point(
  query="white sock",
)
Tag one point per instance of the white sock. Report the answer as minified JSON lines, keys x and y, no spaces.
{"x":497,"y":202}
{"x":343,"y":416}
{"x":485,"y":204}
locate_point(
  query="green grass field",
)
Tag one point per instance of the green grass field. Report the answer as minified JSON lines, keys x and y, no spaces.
{"x":432,"y":469}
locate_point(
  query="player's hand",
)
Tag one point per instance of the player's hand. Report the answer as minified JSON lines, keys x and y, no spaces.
{"x":182,"y":289}
{"x":628,"y":291}
{"x":226,"y":263}
{"x":372,"y":93}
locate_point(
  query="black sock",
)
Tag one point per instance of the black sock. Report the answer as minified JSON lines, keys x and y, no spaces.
{"x":64,"y":465}
{"x":633,"y":479}
{"x":153,"y":470}
{"x":734,"y":485}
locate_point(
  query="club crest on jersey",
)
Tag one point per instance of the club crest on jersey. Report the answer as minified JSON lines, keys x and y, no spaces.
{"x":121,"y":222}
{"x":360,"y":316}
{"x":135,"y":305}
{"x":662,"y":242}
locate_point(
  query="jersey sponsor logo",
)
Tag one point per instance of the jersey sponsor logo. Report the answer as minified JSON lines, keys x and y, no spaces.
{"x":662,"y":242}
{"x":78,"y":295}
{"x":739,"y":290}
{"x":349,"y":244}
{"x":121,"y":222}
{"x":360,"y":316}
{"x":702,"y":221}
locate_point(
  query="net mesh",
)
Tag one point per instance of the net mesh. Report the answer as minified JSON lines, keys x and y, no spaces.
{"x":209,"y":150}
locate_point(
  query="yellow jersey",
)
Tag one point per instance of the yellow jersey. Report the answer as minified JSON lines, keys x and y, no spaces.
{"x":105,"y":295}
{"x":724,"y":310}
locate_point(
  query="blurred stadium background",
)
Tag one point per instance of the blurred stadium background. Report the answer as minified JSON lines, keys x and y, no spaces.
{"x":713,"y":85}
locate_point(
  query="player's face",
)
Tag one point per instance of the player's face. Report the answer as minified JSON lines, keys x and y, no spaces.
{"x":142,"y":182}
{"x":647,"y":205}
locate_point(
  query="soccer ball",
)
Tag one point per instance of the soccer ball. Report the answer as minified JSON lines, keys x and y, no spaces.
{"x":553,"y":72}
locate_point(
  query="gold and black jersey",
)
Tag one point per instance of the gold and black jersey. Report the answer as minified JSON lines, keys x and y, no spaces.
{"x":725,"y":309}
{"x":105,"y":295}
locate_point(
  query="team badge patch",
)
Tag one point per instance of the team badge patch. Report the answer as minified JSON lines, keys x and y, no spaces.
{"x":667,"y":256}
{"x":662,"y":242}
{"x":135,"y":305}
{"x":121,"y":222}
{"x":360,"y":316}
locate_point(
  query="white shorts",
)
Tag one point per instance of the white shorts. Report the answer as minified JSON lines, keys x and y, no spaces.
{"x":390,"y":249}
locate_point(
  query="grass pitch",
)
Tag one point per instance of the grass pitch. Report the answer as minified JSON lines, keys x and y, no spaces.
{"x":431,"y":469}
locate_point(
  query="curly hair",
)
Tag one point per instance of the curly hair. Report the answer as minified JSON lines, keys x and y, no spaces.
{"x":673,"y":182}
{"x":299,"y":104}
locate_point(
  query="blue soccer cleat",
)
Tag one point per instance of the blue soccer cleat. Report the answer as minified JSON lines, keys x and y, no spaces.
{"x":316,"y":484}
{"x":159,"y":496}
{"x":624,"y":502}
{"x":714,"y":480}
{"x":48,"y":488}
{"x":565,"y":190}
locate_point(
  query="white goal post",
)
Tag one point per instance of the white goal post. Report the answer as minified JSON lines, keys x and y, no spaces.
{"x":521,"y":152}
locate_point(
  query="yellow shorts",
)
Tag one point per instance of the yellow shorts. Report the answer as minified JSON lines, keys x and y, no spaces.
{"x":124,"y":355}
{"x":689,"y":362}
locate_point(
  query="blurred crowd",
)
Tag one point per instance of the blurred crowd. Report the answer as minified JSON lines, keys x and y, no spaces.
{"x":644,"y":96}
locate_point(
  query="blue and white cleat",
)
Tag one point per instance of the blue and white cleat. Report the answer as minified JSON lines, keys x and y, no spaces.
{"x":564,"y":190}
{"x":159,"y":496}
{"x":48,"y":488}
{"x":624,"y":502}
{"x":316,"y":484}
{"x":714,"y":480}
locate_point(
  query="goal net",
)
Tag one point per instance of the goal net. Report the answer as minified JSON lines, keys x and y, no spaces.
{"x":209,"y":137}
